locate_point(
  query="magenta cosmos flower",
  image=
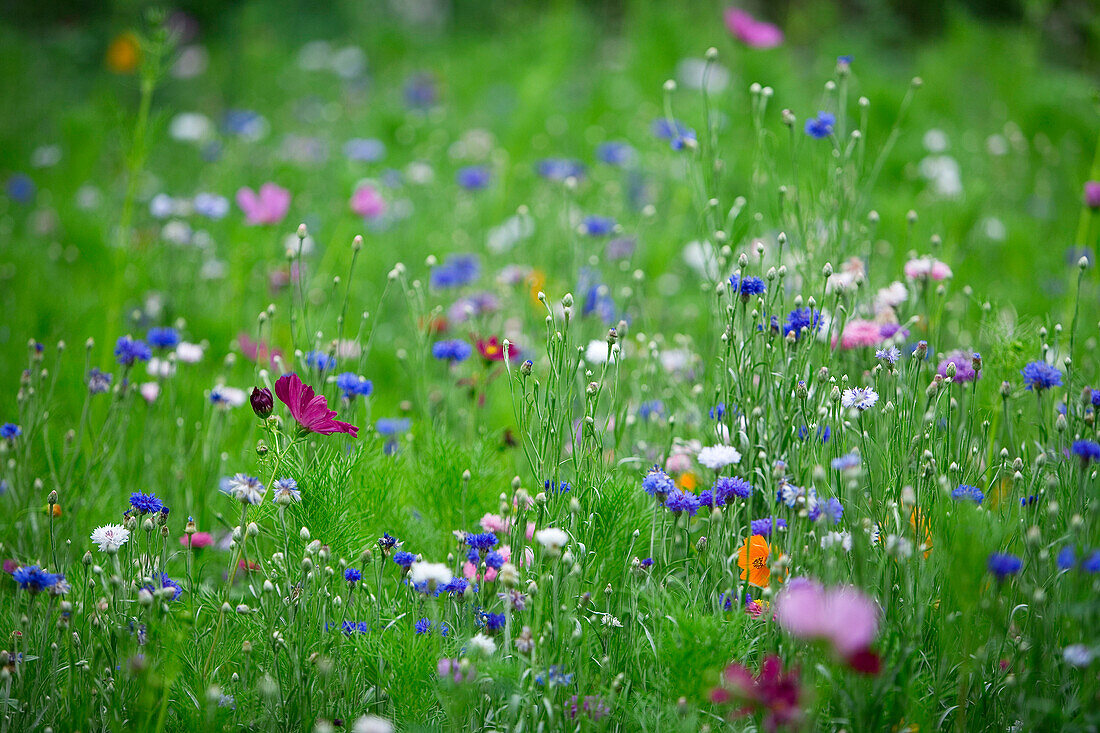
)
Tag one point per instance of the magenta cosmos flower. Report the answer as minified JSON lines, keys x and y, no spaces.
{"x":843,"y":615}
{"x":752,"y":32}
{"x":269,"y":206}
{"x":367,"y":202}
{"x":309,"y":409}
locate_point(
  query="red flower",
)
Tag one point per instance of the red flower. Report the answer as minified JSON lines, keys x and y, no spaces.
{"x":770,"y":691}
{"x":493,"y":349}
{"x":309,"y":409}
{"x":865,"y":661}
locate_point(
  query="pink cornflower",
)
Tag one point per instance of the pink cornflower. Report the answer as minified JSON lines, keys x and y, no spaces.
{"x":198,"y":540}
{"x":367,"y":202}
{"x":309,"y":409}
{"x":927,"y":268}
{"x":269,"y":206}
{"x":842,"y":615}
{"x":860,"y":332}
{"x":750,"y":31}
{"x":495,"y":523}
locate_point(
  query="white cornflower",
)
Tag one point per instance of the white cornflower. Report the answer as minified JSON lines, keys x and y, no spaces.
{"x":860,"y":398}
{"x":188,"y":353}
{"x":717,"y":457}
{"x":226,"y":397}
{"x":482,"y":645}
{"x":110,"y":537}
{"x":371,"y":724}
{"x":1077,"y":655}
{"x":433,"y":573}
{"x":246,"y":489}
{"x":552,"y":539}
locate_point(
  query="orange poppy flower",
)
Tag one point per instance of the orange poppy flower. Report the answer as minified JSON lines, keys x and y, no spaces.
{"x":752,"y":558}
{"x":124,"y":54}
{"x":688,"y":481}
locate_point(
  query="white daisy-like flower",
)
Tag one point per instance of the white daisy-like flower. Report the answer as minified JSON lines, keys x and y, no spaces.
{"x":552,"y":539}
{"x":110,"y":537}
{"x":861,"y":398}
{"x":717,"y":457}
{"x":433,"y":573}
{"x":482,"y":645}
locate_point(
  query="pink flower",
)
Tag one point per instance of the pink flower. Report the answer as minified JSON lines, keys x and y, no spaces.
{"x":530,"y":530}
{"x":367,"y":202}
{"x":927,"y":268}
{"x":310,"y":410}
{"x":842,"y":615}
{"x":860,"y":332}
{"x":269,"y":206}
{"x":678,"y":463}
{"x":1092,"y":194}
{"x":495,"y":523}
{"x":257,"y":351}
{"x":198,"y":540}
{"x":752,"y":32}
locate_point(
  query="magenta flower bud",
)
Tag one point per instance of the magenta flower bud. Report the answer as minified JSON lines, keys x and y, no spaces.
{"x":262,"y":402}
{"x":1092,"y":194}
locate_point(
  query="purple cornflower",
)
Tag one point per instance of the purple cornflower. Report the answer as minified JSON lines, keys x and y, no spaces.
{"x":889,"y":355}
{"x":964,"y":362}
{"x":763,"y":527}
{"x":682,"y":501}
{"x":98,"y":382}
{"x":847,"y":462}
{"x":474,"y":178}
{"x":728,"y":487}
{"x":128,"y":350}
{"x":831,"y":508}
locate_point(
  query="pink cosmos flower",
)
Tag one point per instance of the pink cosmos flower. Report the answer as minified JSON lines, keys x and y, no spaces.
{"x":927,"y":268}
{"x":842,"y":615}
{"x":269,"y":206}
{"x":750,"y":31}
{"x":860,"y":332}
{"x":309,"y":409}
{"x":367,"y":202}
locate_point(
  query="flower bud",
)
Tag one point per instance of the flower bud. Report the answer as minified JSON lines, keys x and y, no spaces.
{"x":262,"y":402}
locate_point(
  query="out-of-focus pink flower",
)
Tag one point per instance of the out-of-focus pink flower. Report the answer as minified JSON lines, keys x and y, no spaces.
{"x":367,"y":202}
{"x":927,"y":268}
{"x":309,"y":409}
{"x":257,"y":351}
{"x":149,"y":391}
{"x":1092,"y":194}
{"x":495,"y":523}
{"x":10,"y":566}
{"x":198,"y":540}
{"x":678,"y":463}
{"x":843,"y":615}
{"x":771,"y":691}
{"x":530,"y":530}
{"x":269,"y":206}
{"x":752,"y":32}
{"x":860,"y":332}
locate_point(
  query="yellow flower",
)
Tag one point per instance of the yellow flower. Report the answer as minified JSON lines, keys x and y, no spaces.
{"x":124,"y":53}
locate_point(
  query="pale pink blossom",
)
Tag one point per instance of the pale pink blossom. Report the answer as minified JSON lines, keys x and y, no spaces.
{"x":495,"y":523}
{"x":842,"y":615}
{"x":860,"y":332}
{"x":927,"y":268}
{"x":367,"y":202}
{"x":750,"y":31}
{"x":268,"y":206}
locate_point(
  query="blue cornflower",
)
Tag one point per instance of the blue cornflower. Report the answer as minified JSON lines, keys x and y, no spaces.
{"x":474,"y":177}
{"x":98,"y":382}
{"x":473,"y":555}
{"x":789,"y":493}
{"x":493,"y":621}
{"x":597,"y":297}
{"x":353,"y":385}
{"x":1002,"y":564}
{"x":964,"y":491}
{"x":145,"y":503}
{"x":404,"y":559}
{"x":452,"y":350}
{"x":494,"y":560}
{"x":21,"y":188}
{"x":1086,"y":450}
{"x":456,"y":587}
{"x":747,"y":287}
{"x":1067,"y":558}
{"x":718,"y":411}
{"x":678,"y":134}
{"x":647,"y":563}
{"x":832,"y":509}
{"x":651,"y":410}
{"x":845,"y":60}
{"x":821,"y":126}
{"x":423,"y":626}
{"x":392,"y":425}
{"x":682,"y":501}
{"x":598,"y":226}
{"x":34,"y":579}
{"x":352,"y":575}
{"x":616,"y":153}
{"x":285,"y":491}
{"x":823,"y":432}
{"x":352,"y":627}
{"x":658,"y":483}
{"x":482,"y":542}
{"x":387,"y":542}
{"x":455,"y":271}
{"x":846,"y":462}
{"x":558,"y":169}
{"x":728,"y":487}
{"x":557,"y":676}
{"x":163,"y":338}
{"x":421,"y":91}
{"x":1091,"y":564}
{"x":320,"y":361}
{"x":1026,"y":501}
{"x":166,"y":582}
{"x":10,"y":431}
{"x":555,"y":488}
{"x":128,"y":350}
{"x":1039,"y":376}
{"x":763,"y":527}
{"x":1094,"y":395}
{"x":365,"y":150}
{"x":801,"y":319}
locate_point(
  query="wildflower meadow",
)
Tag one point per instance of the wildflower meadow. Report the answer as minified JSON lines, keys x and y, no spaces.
{"x":641,"y":366}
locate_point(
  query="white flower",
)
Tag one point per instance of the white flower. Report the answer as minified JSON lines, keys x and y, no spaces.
{"x":596,"y":352}
{"x":188,"y":353}
{"x":860,"y":398}
{"x":371,"y":724}
{"x":1077,"y":655}
{"x":832,"y":539}
{"x":160,"y":368}
{"x":226,"y":397}
{"x":191,"y":127}
{"x":717,"y":457}
{"x":110,"y":537}
{"x":432,"y":573}
{"x":150,"y":391}
{"x":552,"y":539}
{"x":891,"y":296}
{"x":246,"y":489}
{"x":482,"y":645}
